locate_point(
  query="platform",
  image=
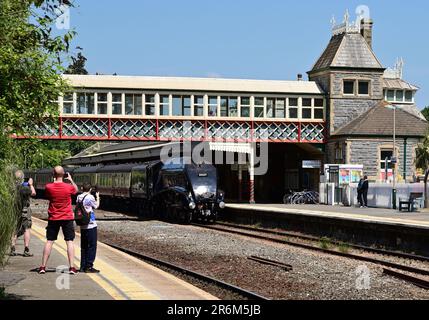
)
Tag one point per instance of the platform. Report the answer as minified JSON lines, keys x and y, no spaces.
{"x":122,"y":277}
{"x":372,"y":215}
{"x":382,"y":228}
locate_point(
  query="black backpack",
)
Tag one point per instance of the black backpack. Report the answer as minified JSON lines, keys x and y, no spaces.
{"x":81,"y":216}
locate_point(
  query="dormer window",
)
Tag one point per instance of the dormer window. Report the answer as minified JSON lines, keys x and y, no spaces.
{"x":349,"y":87}
{"x":406,"y":96}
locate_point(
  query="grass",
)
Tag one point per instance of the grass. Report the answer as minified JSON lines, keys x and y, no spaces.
{"x":343,"y":247}
{"x":8,"y":210}
{"x":325,"y":243}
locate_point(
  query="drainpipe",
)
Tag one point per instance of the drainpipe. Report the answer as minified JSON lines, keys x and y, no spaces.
{"x":405,"y":159}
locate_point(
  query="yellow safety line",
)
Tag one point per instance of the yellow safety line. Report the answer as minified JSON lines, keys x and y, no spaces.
{"x":360,"y":217}
{"x":128,"y":287}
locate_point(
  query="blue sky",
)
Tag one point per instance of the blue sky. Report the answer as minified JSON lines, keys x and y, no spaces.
{"x":254,"y":39}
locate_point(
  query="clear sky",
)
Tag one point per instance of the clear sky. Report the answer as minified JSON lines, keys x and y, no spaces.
{"x":253,"y":39}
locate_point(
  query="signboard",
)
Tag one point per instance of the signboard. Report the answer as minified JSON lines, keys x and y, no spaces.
{"x":355,"y":176}
{"x":344,"y":176}
{"x":311,"y":164}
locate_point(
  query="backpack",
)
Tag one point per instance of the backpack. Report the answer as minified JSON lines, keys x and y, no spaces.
{"x":81,"y":216}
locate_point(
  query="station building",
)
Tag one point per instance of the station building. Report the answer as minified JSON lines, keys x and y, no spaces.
{"x":346,"y":113}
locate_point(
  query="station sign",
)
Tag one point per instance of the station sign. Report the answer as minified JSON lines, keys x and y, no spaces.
{"x":311,"y":164}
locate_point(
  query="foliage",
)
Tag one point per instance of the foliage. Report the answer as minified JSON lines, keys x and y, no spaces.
{"x":31,"y":59}
{"x":77,"y":66}
{"x":422,"y":162}
{"x":425,"y":113}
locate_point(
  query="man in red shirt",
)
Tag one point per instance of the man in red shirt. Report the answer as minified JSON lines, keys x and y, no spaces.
{"x":60,"y":216}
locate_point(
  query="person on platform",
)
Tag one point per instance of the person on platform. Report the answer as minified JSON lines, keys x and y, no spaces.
{"x":60,"y":216}
{"x":25,"y":191}
{"x":363,"y":192}
{"x":88,"y":233}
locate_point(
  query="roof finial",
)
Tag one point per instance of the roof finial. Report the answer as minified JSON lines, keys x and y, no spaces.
{"x":333,"y":21}
{"x":347,"y":16}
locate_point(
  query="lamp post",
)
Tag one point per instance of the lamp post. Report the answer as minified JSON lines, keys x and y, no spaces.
{"x":394,"y":162}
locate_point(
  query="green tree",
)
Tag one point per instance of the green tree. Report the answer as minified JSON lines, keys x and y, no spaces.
{"x":31,"y":62}
{"x":422,"y":162}
{"x":425,"y":113}
{"x":77,"y":66}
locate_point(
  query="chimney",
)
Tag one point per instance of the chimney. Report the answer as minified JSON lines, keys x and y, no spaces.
{"x":299,"y":77}
{"x":366,"y":30}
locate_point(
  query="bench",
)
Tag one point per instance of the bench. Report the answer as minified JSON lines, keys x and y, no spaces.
{"x":409,"y":203}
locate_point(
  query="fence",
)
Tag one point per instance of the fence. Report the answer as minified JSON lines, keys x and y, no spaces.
{"x":379,"y":194}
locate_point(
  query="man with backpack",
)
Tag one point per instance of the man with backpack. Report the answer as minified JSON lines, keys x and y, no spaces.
{"x":86,"y":203}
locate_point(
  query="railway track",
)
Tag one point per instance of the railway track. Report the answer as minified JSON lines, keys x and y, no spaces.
{"x":201,"y":277}
{"x":312,"y":238}
{"x":243,"y":231}
{"x":402,"y":276}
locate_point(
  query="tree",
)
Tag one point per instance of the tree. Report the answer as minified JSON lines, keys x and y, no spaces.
{"x":425,"y":113}
{"x":31,"y":63}
{"x":77,"y":66}
{"x":422,"y":162}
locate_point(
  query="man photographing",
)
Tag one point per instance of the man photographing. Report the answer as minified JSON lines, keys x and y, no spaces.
{"x":60,"y":216}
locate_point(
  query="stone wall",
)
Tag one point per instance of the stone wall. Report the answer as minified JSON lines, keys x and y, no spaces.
{"x":367,"y":152}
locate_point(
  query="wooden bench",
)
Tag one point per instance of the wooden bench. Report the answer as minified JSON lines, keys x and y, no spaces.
{"x":410,"y":202}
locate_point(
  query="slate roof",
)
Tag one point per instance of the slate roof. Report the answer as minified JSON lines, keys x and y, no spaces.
{"x":348,"y":50}
{"x":398,"y":84}
{"x":378,"y":121}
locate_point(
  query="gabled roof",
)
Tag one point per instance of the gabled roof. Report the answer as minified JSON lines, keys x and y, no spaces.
{"x":389,"y":83}
{"x":378,"y":121}
{"x":348,"y":50}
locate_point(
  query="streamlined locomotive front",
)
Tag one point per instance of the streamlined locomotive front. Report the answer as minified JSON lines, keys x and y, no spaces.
{"x":207,"y":199}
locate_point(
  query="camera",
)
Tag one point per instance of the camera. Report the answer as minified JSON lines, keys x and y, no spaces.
{"x":66,"y":175}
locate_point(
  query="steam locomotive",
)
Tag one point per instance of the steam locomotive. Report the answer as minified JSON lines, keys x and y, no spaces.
{"x":176,"y":191}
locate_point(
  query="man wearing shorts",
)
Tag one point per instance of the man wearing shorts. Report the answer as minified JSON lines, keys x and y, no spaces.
{"x":60,"y":216}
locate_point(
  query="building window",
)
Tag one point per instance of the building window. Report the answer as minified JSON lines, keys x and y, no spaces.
{"x":150,"y":104}
{"x":259,"y":107}
{"x":270,"y":107}
{"x":363,"y":88}
{"x":349,"y":87}
{"x":228,"y":106}
{"x":164,"y":104}
{"x":199,"y":106}
{"x":318,"y":109}
{"x":133,"y":104}
{"x":408,"y":96}
{"x":117,"y":103}
{"x":102,"y":103}
{"x":181,"y":105}
{"x":245,"y":107}
{"x":399,"y":95}
{"x":306,"y":108}
{"x":85,"y":103}
{"x":293,"y":108}
{"x":390,"y":95}
{"x":280,"y":108}
{"x":68,"y":103}
{"x":212,"y":106}
{"x":339,"y":153}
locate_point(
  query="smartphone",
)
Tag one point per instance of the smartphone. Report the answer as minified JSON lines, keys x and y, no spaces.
{"x":26,"y":180}
{"x":66,"y":175}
